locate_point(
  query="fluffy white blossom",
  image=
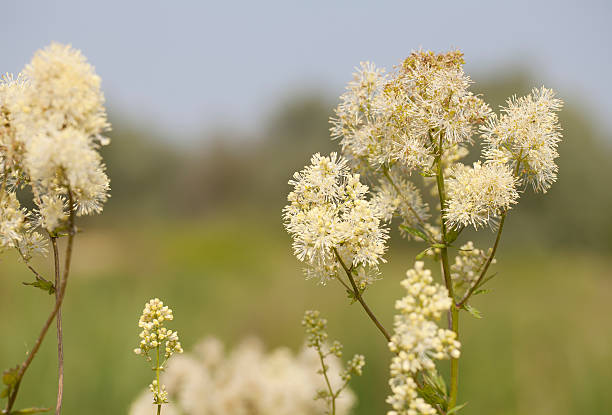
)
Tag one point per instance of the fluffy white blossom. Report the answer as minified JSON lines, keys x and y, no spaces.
{"x":328,"y":215}
{"x":246,"y":381}
{"x":64,"y":93}
{"x":479,"y":193}
{"x":417,"y":340}
{"x":52,"y":211}
{"x":13,"y":220}
{"x":401,"y":117}
{"x":52,"y":118}
{"x":526,"y":135}
{"x":67,"y":158}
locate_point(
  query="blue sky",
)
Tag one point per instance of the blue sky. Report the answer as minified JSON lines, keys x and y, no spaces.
{"x":184,"y":66}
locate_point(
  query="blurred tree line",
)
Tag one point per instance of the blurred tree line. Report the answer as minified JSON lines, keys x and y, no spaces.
{"x":225,"y":170}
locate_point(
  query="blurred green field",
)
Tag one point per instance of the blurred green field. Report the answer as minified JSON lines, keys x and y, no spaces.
{"x":543,"y":346}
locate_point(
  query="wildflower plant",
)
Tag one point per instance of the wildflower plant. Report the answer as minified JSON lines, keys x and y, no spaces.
{"x":52,"y":125}
{"x":157,"y":339}
{"x":316,"y":338}
{"x":405,"y":134}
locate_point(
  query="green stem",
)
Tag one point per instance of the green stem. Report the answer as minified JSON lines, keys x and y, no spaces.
{"x":454,"y":312}
{"x":485,"y":268}
{"x":58,"y":303}
{"x":158,"y":385}
{"x":332,"y":396}
{"x":60,"y":336}
{"x":360,"y":298}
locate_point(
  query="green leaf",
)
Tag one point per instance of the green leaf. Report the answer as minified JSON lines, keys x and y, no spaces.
{"x":43,"y":284}
{"x":433,"y":390}
{"x":457,"y":408}
{"x":351,"y":295}
{"x":10,"y":377}
{"x":472,"y":311}
{"x":29,"y":411}
{"x":414,"y":231}
{"x":422,"y":254}
{"x":440,"y":246}
{"x":483,"y":291}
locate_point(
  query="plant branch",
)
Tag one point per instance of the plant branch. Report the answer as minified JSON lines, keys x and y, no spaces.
{"x":485,"y":268}
{"x":60,"y":341}
{"x":360,"y":298}
{"x":332,"y":395}
{"x":62,"y":292}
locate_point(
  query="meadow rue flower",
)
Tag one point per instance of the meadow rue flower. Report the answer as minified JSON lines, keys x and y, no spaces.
{"x":526,"y":136}
{"x":479,"y":193}
{"x":158,"y":340}
{"x":13,"y":222}
{"x":64,"y":93}
{"x":211,"y":380}
{"x":329,"y":216}
{"x":52,"y":118}
{"x":417,"y":340}
{"x":401,"y":117}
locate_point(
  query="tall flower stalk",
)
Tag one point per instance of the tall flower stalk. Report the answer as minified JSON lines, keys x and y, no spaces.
{"x":52,"y":120}
{"x":406,"y":133}
{"x":156,"y":339}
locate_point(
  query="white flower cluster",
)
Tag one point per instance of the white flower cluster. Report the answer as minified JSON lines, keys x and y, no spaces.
{"x":328,"y":215}
{"x":156,"y":338}
{"x":417,"y":340}
{"x":525,"y":136}
{"x":478,"y":194}
{"x":467,"y":266}
{"x":246,"y":381}
{"x":153,"y":333}
{"x":383,"y":119}
{"x":51,"y":122}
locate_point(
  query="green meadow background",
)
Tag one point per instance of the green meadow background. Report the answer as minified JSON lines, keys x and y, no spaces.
{"x":199,"y":226}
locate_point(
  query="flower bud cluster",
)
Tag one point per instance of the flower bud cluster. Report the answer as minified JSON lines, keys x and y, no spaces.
{"x":467,"y":266}
{"x":417,"y":339}
{"x":316,"y":337}
{"x":157,"y":339}
{"x":330,"y":217}
{"x":154,"y":334}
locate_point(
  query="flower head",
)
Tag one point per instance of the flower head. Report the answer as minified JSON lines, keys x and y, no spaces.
{"x":330,"y":219}
{"x":526,"y":136}
{"x":479,"y":193}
